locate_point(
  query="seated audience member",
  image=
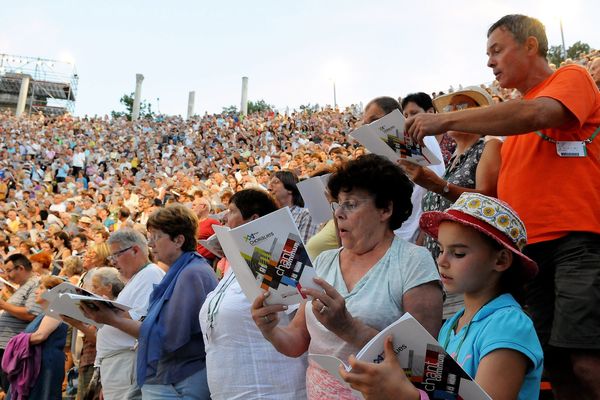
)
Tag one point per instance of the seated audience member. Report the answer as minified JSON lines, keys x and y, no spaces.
{"x":41,"y":262}
{"x":201,"y":208}
{"x":72,"y":269}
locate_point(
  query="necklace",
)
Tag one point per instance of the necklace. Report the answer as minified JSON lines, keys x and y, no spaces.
{"x":215,"y":303}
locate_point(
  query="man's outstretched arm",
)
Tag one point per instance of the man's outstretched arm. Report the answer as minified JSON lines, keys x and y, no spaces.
{"x":513,"y":117}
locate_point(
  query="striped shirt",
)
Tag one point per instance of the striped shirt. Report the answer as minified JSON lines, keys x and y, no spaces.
{"x":23,"y":297}
{"x":304,"y":222}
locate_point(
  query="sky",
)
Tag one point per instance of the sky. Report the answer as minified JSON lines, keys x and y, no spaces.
{"x":292,"y":52}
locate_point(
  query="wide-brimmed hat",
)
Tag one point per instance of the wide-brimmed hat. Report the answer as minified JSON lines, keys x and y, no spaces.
{"x":479,"y":95}
{"x":85,"y":220}
{"x":490,"y":216}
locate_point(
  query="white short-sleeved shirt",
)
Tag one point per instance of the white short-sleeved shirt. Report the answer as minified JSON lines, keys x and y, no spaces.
{"x":240,"y":362}
{"x":136,"y":295}
{"x":79,"y":159}
{"x":376,"y":299}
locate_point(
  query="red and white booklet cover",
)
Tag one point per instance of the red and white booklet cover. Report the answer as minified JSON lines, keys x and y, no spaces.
{"x":424,"y":361}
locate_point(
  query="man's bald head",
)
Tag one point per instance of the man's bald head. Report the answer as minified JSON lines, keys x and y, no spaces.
{"x":201,"y":207}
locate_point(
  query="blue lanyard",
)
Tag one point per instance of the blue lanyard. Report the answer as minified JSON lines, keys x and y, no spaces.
{"x":452,"y":328}
{"x":466,"y":329}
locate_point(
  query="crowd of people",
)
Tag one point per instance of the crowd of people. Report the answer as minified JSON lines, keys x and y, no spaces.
{"x":507,"y":220}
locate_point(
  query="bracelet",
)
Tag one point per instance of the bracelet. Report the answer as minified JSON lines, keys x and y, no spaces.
{"x":424,"y":395}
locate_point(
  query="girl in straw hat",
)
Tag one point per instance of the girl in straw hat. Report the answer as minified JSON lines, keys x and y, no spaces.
{"x":481,"y":241}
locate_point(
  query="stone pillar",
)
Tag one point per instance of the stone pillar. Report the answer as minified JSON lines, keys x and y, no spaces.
{"x":22,"y":95}
{"x":135,"y":113}
{"x":244,"y":105}
{"x":191,"y":100}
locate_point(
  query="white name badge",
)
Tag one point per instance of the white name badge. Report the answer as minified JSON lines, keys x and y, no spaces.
{"x":571,"y":149}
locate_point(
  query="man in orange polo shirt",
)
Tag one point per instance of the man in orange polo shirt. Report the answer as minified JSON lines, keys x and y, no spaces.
{"x":550,"y":174}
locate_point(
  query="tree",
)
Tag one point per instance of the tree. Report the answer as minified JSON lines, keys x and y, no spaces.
{"x":230,"y":110}
{"x":555,"y":53}
{"x":127,"y":101}
{"x":259,"y":106}
{"x":577,"y":49}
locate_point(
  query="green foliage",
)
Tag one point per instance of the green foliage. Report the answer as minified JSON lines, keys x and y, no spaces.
{"x":127,"y":101}
{"x":555,"y":53}
{"x":230,"y":110}
{"x":259,"y":106}
{"x":577,"y":49}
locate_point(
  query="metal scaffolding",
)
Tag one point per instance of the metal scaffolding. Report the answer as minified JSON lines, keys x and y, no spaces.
{"x":52,"y":87}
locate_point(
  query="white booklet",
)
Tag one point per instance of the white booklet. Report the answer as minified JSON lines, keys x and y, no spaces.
{"x":212,"y":244}
{"x":65,"y":299}
{"x":7,"y":283}
{"x":313,"y":193}
{"x":424,"y":361}
{"x":387,"y":138}
{"x":268,"y":254}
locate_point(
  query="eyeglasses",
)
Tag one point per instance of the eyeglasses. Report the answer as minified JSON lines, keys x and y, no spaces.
{"x":457,"y":107}
{"x":155,"y":237}
{"x":117,"y":254}
{"x":348,"y":206}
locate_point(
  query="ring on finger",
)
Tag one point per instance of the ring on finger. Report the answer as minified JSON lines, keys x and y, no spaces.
{"x":266,"y":318}
{"x":323,"y":309}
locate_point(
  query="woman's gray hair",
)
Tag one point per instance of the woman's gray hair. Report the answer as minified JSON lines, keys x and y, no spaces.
{"x":110,"y":276}
{"x":127,"y":237}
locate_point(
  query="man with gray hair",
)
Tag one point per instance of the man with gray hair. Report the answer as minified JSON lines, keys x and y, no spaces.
{"x":552,"y":154}
{"x":115,"y":349}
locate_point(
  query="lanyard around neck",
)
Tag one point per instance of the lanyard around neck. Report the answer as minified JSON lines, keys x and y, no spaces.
{"x":587,"y":141}
{"x":466,"y":329}
{"x":452,"y":328}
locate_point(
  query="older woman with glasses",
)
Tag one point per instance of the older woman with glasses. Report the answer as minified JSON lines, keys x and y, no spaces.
{"x":171,"y":356}
{"x":368,"y":283}
{"x":473,"y":167}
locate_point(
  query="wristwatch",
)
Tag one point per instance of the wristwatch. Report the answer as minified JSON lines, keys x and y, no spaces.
{"x":446,"y":188}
